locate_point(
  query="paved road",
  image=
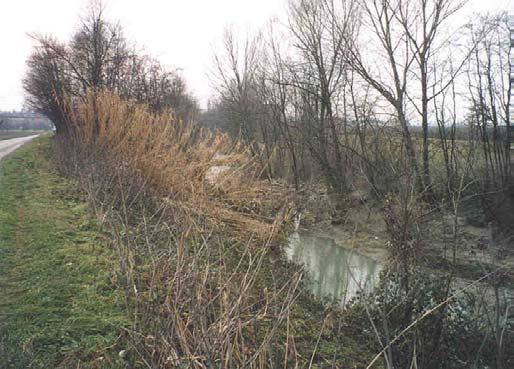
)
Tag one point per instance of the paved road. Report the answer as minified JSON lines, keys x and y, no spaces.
{"x":8,"y":146}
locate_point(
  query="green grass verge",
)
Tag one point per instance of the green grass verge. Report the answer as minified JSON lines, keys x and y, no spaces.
{"x":59,"y":306}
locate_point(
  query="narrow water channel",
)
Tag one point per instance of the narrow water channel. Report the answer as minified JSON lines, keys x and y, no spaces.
{"x":335,"y":272}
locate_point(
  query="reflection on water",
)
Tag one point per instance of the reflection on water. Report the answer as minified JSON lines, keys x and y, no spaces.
{"x":334,"y":271}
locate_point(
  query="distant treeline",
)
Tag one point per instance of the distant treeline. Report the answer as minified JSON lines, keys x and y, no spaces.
{"x":24,"y":121}
{"x":459,"y":132}
{"x":215,"y":118}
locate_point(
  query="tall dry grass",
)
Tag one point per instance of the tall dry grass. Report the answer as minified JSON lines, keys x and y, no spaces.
{"x":175,"y":160}
{"x":193,"y":249}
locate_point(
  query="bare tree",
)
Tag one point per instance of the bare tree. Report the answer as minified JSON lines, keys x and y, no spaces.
{"x":236,"y":79}
{"x":489,"y":93}
{"x":393,"y":59}
{"x":404,"y":34}
{"x":98,"y":57}
{"x":48,"y":82}
{"x":422,"y":21}
{"x":320,"y":76}
{"x":277,"y":94}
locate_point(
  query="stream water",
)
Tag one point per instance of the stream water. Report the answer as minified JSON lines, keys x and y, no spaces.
{"x":335,"y":272}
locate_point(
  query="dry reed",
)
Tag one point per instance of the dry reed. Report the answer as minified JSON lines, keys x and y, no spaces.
{"x":188,"y":245}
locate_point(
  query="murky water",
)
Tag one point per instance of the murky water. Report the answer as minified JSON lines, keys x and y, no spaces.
{"x":334,"y":271}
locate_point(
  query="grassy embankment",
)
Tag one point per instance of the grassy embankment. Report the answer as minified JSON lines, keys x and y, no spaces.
{"x":59,"y":307}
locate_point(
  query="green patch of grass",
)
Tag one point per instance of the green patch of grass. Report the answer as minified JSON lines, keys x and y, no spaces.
{"x":59,"y":306}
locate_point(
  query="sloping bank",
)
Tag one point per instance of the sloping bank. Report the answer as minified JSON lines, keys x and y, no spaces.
{"x":71,"y":298}
{"x":200,"y":267}
{"x":181,"y":280}
{"x":58,"y":306}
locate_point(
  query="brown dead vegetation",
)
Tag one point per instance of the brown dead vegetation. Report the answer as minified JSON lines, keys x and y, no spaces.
{"x":194,"y":260}
{"x":174,"y":160}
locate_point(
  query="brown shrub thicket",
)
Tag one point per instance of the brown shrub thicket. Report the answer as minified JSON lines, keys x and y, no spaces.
{"x":175,"y":160}
{"x":192,"y":249}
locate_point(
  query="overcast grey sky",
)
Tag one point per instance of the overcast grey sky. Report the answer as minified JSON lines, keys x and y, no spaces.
{"x":180,"y":33}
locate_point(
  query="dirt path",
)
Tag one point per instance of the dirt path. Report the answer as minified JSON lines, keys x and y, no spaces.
{"x":8,"y":146}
